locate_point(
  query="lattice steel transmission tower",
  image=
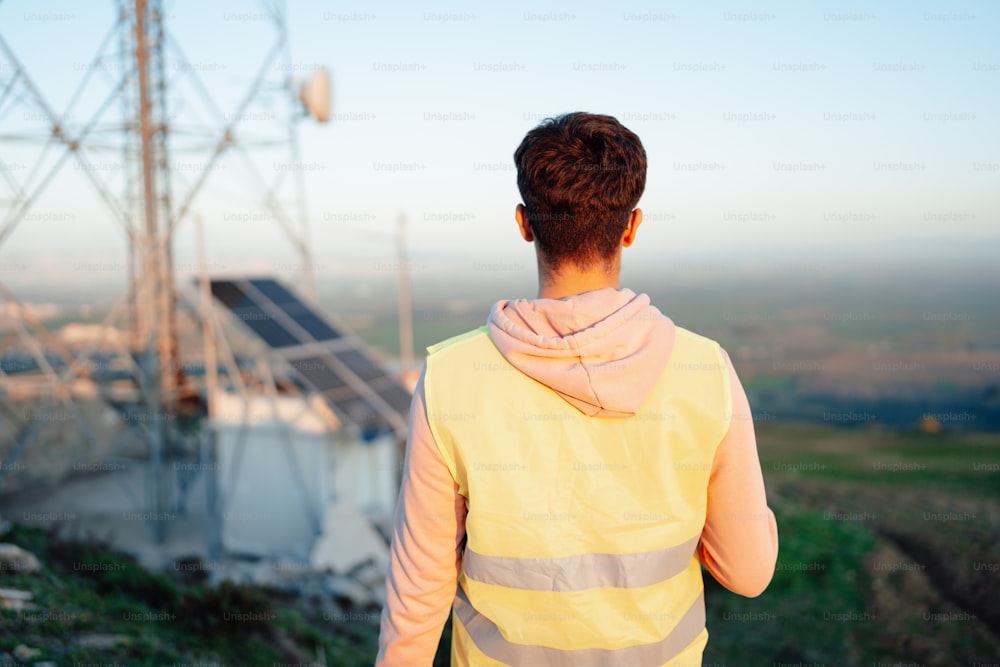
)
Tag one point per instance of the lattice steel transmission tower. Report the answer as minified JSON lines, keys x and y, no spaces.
{"x":150,"y":201}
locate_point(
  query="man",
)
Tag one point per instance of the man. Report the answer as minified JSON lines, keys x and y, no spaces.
{"x":573,"y":464}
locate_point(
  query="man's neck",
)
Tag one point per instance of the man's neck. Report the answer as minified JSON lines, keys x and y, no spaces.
{"x":571,"y":280}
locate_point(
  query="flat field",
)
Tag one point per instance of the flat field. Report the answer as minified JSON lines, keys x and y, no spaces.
{"x":890,"y":550}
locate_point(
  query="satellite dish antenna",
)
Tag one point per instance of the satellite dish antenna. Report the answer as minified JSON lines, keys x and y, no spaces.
{"x":315,"y":95}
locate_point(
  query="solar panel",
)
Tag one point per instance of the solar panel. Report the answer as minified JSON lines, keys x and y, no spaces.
{"x":335,"y":365}
{"x":229,"y":294}
{"x":310,"y":322}
{"x":298,"y":311}
{"x":273,"y":333}
{"x":274,"y":290}
{"x":318,"y":373}
{"x":397,"y":397}
{"x":359,"y":364}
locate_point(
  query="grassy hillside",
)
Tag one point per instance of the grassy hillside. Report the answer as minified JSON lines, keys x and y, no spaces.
{"x":890,"y":544}
{"x":95,"y":606}
{"x":889,"y":552}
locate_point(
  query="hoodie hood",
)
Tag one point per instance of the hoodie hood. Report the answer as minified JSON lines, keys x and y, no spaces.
{"x":603,"y":351}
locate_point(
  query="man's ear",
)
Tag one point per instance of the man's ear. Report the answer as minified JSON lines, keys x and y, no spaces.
{"x":634,"y":220}
{"x":521,"y":215}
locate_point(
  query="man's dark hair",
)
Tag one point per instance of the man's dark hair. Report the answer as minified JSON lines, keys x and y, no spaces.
{"x":580,"y":176}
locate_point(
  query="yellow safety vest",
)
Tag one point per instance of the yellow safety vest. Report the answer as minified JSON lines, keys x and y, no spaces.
{"x":582,"y":532}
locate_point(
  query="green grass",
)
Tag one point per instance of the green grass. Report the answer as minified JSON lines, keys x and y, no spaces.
{"x":771,"y":383}
{"x":947,"y":462}
{"x":814,"y":586}
{"x":931,"y":512}
{"x":858,"y":572}
{"x":89,"y":589}
{"x":867,"y":551}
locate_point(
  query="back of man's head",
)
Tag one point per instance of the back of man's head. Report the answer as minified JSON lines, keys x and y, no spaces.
{"x":580,"y":176}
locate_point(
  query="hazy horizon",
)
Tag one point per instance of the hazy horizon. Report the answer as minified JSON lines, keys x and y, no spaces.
{"x":768,"y":139}
{"x":450,"y":278}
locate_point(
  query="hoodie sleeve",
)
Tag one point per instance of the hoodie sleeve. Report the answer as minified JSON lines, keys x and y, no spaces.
{"x":425,"y":556}
{"x":739,"y":543}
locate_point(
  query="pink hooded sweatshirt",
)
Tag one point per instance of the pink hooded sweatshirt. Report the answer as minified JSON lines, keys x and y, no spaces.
{"x":571,"y":345}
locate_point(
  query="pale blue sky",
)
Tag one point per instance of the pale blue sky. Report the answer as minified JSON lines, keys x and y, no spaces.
{"x":773,"y":130}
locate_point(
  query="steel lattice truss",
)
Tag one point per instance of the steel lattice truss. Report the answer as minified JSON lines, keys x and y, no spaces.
{"x":139,"y":101}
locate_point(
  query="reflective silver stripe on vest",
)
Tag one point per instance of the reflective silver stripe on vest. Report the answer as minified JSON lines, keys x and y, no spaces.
{"x":578,"y":573}
{"x":487,"y":638}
